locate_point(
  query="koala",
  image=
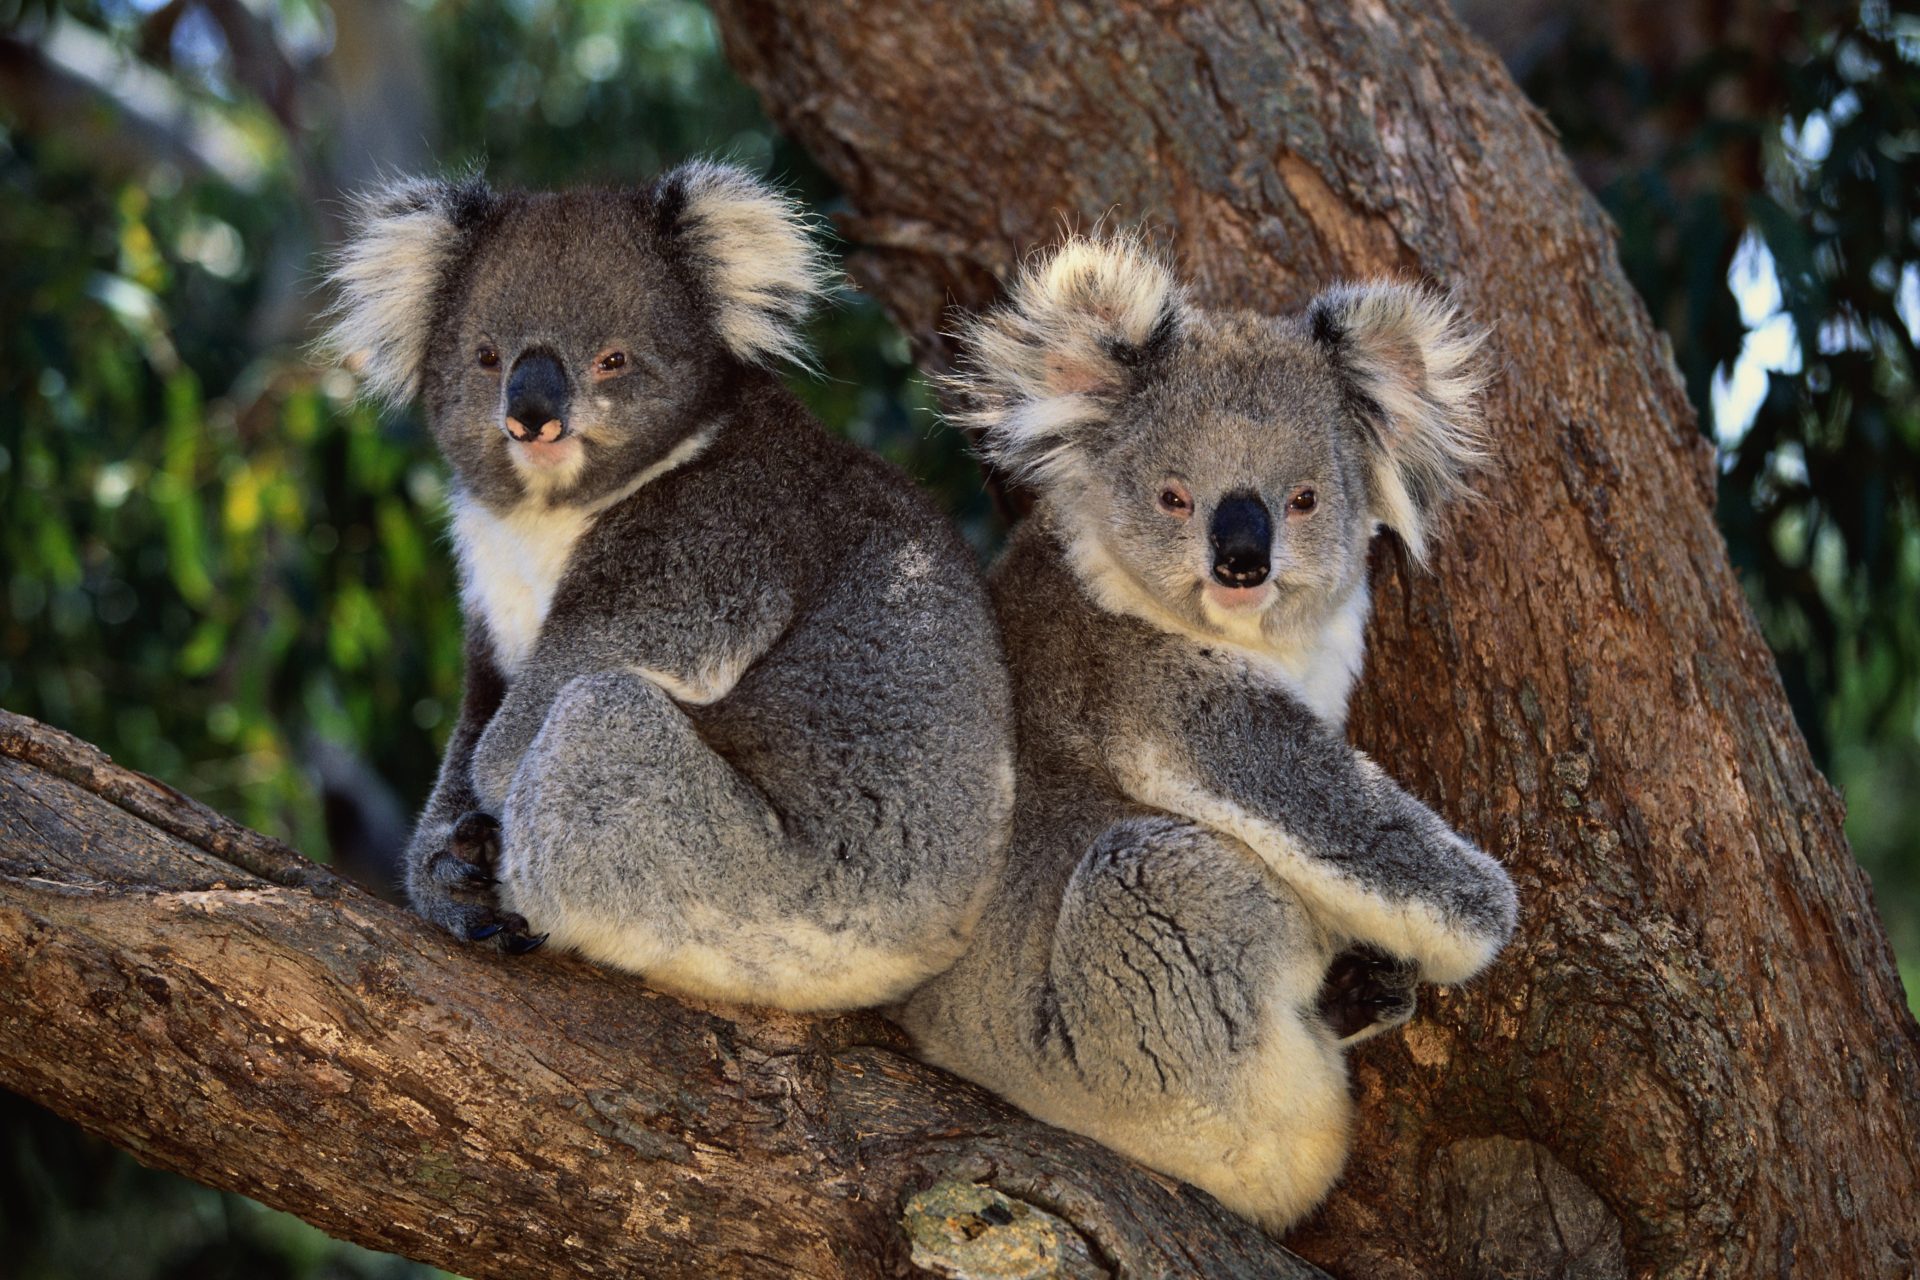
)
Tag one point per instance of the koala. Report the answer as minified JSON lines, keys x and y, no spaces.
{"x":735,"y":714}
{"x":1209,"y":895}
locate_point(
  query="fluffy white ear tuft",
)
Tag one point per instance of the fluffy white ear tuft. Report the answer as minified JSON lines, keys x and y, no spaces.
{"x":1077,"y":327}
{"x":1409,"y":359}
{"x":402,"y":239}
{"x":759,"y":255}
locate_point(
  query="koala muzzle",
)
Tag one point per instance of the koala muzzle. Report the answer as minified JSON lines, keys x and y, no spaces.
{"x":537,"y":399}
{"x":1242,"y":540}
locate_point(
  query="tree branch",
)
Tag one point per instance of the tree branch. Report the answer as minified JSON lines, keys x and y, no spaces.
{"x":219,"y":1006}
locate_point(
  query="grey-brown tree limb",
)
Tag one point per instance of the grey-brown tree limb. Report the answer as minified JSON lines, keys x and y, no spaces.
{"x":1701,"y":1024}
{"x":219,"y":1006}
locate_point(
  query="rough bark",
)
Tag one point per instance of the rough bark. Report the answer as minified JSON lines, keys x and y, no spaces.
{"x":1697,"y":1060}
{"x":221,"y":1007}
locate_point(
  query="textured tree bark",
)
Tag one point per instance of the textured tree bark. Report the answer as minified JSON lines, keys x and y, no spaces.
{"x":1697,"y":1059}
{"x":221,"y":1007}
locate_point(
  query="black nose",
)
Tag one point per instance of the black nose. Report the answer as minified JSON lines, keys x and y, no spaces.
{"x":537,"y":398}
{"x":1242,"y":535}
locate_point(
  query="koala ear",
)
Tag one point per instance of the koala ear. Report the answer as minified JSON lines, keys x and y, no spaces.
{"x":1079,"y":328}
{"x":1407,"y":360}
{"x":754,"y":250}
{"x":402,"y":240}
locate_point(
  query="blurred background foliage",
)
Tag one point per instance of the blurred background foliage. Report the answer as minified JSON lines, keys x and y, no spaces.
{"x":219,"y":567}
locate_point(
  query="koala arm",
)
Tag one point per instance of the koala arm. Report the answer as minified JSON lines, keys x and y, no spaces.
{"x":433,"y":880}
{"x":695,"y":650}
{"x":453,"y":793}
{"x":1375,"y":863}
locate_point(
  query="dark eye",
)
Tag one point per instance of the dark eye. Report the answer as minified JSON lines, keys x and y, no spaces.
{"x":611,"y":362}
{"x":487,"y":356}
{"x":1303,"y":501}
{"x":1175,"y":501}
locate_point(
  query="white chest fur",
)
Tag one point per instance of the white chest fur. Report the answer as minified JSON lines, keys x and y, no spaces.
{"x":511,"y":562}
{"x":1320,"y":668}
{"x":510,"y":566}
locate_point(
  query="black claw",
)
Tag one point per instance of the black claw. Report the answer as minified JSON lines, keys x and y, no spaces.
{"x":478,"y":875}
{"x":481,"y":932}
{"x":521,"y":945}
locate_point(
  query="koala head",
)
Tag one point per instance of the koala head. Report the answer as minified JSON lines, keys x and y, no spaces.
{"x":567,"y":344}
{"x":1222,"y":471}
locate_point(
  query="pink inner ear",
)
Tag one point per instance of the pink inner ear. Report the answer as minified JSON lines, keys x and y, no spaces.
{"x":1399,"y":358}
{"x":1067,"y":375}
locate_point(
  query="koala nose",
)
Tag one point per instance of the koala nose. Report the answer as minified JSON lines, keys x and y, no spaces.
{"x":1242,"y":539}
{"x":537,"y":398}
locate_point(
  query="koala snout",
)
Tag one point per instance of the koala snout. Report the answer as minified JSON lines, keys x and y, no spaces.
{"x":537,"y":399}
{"x":1242,"y":541}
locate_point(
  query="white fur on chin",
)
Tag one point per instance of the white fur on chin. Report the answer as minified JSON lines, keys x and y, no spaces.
{"x":548,"y":463}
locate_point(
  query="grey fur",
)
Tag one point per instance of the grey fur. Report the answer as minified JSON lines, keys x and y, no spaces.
{"x":1204,"y":880}
{"x":757,"y":747}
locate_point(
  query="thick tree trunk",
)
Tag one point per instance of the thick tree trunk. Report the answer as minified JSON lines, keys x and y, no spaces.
{"x":1697,"y":1059}
{"x":221,"y":1007}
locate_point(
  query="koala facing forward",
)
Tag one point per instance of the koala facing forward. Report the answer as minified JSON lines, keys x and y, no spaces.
{"x":1209,"y":895}
{"x":735,"y":714}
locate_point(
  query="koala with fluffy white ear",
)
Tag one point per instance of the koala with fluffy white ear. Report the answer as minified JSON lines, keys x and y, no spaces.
{"x":1209,"y":894}
{"x":736,"y":715}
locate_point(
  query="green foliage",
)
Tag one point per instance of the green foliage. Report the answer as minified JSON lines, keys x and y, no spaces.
{"x":76,"y":1209}
{"x":543,"y":93}
{"x":197,"y":580}
{"x":1821,"y":495}
{"x":1829,"y":472}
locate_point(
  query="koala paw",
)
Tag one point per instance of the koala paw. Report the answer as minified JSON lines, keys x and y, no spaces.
{"x":461,"y":883}
{"x":1366,"y":991}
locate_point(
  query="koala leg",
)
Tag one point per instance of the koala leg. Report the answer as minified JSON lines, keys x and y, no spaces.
{"x":1183,"y":995}
{"x":630,"y":840}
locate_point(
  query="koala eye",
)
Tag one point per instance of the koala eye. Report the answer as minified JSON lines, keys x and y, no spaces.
{"x":610,"y":362}
{"x":1303,"y":501}
{"x":1176,"y":501}
{"x":486,"y":356}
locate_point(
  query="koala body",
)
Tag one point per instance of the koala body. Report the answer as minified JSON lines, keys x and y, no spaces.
{"x":735,"y":713}
{"x":1209,"y":895}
